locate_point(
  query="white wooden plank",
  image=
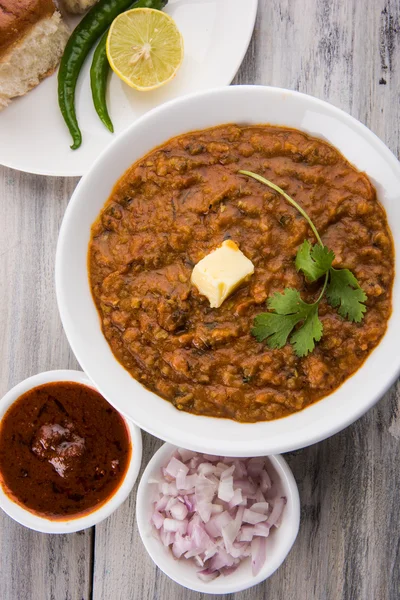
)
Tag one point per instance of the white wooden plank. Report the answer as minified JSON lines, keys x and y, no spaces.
{"x":34,"y":566}
{"x":349,"y":538}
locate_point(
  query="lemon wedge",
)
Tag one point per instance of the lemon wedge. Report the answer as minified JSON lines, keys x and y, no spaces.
{"x":144,"y":48}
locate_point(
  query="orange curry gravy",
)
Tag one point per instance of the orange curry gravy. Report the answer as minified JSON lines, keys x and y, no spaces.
{"x":63,"y":450}
{"x":179,"y":203}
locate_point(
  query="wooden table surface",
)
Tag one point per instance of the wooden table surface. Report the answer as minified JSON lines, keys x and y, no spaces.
{"x":343,"y":51}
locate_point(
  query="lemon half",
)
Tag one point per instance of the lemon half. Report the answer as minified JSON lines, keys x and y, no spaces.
{"x":144,"y":48}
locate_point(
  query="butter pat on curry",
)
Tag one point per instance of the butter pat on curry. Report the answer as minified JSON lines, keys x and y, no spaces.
{"x":219,"y":273}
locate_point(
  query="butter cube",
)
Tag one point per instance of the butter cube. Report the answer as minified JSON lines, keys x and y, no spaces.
{"x":219,"y":273}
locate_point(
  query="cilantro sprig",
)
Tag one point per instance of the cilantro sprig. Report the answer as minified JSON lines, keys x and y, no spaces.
{"x":290,"y":318}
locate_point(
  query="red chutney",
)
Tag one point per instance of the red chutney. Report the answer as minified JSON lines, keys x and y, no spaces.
{"x":63,"y":450}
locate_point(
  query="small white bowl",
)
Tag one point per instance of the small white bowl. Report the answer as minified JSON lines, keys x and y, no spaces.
{"x":69,"y":525}
{"x":183,"y":571}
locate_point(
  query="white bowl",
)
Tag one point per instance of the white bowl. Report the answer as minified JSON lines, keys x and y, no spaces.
{"x":241,"y":104}
{"x":69,"y":525}
{"x":183,"y":571}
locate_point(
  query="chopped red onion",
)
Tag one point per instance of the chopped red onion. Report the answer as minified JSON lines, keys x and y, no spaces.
{"x":190,"y":482}
{"x":221,"y":559}
{"x":169,"y":489}
{"x":230,"y":531}
{"x":228,"y":570}
{"x":180,"y":480}
{"x":207,"y":575}
{"x":260,"y":507}
{"x":210,"y":552}
{"x":200,"y":538}
{"x":157,"y":519}
{"x":262,"y":529}
{"x":227,"y":473}
{"x":168,"y":478}
{"x":194,"y":462}
{"x":161,"y":503}
{"x":186,"y":455}
{"x":179,"y":511}
{"x":276,"y":511}
{"x":238,"y":549}
{"x":265,"y":482}
{"x":212,"y":528}
{"x":221,"y":520}
{"x":193,"y":552}
{"x":175,"y":525}
{"x":206,"y":468}
{"x":174,"y":466}
{"x":171,"y":501}
{"x":199,"y":562}
{"x":195,"y":520}
{"x":240,"y":468}
{"x":247,"y":533}
{"x":216,"y":511}
{"x":255,"y":466}
{"x":246,"y":485}
{"x":225,"y":488}
{"x":167,"y":537}
{"x":181,"y":545}
{"x":258,"y":554}
{"x":189,"y":502}
{"x":236,"y":499}
{"x":260,"y":496}
{"x":249,"y":516}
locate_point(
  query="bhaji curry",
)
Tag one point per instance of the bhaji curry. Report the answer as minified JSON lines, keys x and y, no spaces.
{"x":180,"y":202}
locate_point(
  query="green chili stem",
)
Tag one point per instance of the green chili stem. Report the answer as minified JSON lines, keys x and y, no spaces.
{"x":288,"y":198}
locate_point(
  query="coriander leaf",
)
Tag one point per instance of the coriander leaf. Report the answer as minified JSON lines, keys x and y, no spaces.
{"x":344,"y":291}
{"x":314,"y":261}
{"x":290,"y":309}
{"x":311,"y":330}
{"x":287,"y":302}
{"x":274,"y":328}
{"x":323,"y":257}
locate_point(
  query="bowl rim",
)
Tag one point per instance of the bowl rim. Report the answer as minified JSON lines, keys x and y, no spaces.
{"x":159,"y":459}
{"x":302,"y":434}
{"x":69,"y":525}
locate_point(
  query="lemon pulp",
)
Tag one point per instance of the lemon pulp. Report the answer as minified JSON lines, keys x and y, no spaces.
{"x":144,"y":48}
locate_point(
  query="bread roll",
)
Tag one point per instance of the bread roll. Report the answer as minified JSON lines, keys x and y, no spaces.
{"x":32,"y":40}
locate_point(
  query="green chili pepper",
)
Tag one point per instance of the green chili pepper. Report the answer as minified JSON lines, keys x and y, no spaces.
{"x":92,"y":26}
{"x":100,"y":68}
{"x":99,"y":72}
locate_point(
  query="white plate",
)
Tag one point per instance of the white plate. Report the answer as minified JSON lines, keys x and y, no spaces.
{"x":34,"y":137}
{"x":233,"y":104}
